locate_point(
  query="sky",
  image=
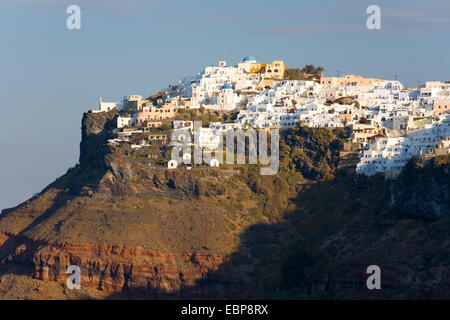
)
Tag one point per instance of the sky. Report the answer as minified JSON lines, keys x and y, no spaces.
{"x":50,"y":75}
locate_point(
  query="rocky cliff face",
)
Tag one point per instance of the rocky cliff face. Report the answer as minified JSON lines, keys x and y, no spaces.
{"x":128,"y":227}
{"x":145,"y":231}
{"x":96,"y":129}
{"x":422,"y":191}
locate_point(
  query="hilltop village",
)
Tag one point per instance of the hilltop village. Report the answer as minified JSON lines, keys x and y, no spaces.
{"x":388,"y":124}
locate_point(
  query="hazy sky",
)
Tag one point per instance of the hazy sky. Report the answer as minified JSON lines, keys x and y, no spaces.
{"x":50,"y":75}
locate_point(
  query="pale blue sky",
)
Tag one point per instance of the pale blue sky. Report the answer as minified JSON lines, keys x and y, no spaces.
{"x":50,"y":75}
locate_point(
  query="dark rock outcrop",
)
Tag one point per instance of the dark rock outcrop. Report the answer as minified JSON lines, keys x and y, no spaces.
{"x":421,"y":191}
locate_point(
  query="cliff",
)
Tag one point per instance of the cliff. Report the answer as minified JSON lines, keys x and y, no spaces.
{"x":125,"y":224}
{"x":309,"y":232}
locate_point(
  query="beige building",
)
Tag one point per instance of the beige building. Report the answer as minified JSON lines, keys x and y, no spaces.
{"x":134,"y":102}
{"x":150,"y":114}
{"x":265,"y":84}
{"x":441,"y":107}
{"x":275,"y":70}
{"x":348,"y":80}
{"x":363,"y":132}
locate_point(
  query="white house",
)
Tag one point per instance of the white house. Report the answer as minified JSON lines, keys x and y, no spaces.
{"x":125,"y":121}
{"x":108,"y":106}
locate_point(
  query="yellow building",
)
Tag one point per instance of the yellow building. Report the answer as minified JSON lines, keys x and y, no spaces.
{"x":256,"y":67}
{"x":274,"y":70}
{"x":348,"y":80}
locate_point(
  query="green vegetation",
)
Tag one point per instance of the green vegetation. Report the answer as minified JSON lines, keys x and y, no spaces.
{"x":293,"y":74}
{"x":441,"y":160}
{"x":311,"y":69}
{"x":299,"y":74}
{"x":205,"y":116}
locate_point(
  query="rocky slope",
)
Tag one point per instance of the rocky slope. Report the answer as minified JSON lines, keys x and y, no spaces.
{"x":308,"y":232}
{"x":126,"y":225}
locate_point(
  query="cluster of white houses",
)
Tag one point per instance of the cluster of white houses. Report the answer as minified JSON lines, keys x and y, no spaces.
{"x":390,"y":153}
{"x":391,"y":123}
